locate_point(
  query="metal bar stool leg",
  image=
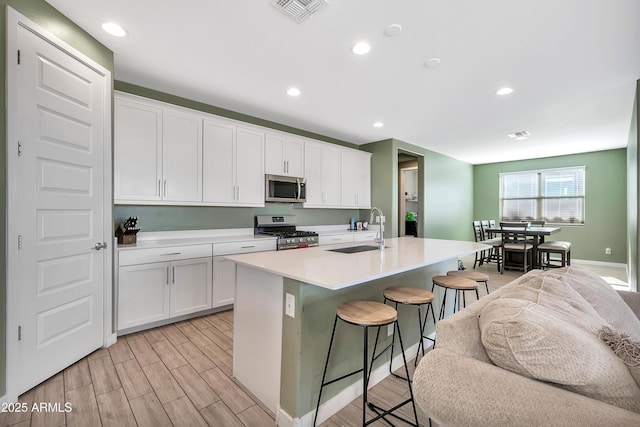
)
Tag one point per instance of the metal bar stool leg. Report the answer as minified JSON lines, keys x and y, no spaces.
{"x":324,"y":373}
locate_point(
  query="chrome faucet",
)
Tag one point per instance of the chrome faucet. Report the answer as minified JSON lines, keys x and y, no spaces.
{"x":380,"y":239}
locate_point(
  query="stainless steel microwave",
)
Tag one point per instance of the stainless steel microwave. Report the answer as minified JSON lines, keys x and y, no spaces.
{"x":284,"y":189}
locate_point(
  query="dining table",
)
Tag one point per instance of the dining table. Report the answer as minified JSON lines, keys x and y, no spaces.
{"x":537,"y":233}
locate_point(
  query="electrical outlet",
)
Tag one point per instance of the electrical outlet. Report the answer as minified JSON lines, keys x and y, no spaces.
{"x":607,"y":251}
{"x":290,"y":306}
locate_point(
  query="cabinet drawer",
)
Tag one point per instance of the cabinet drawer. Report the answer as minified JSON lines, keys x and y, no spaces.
{"x":246,"y":246}
{"x":364,"y":236}
{"x":335,"y":238}
{"x":170,"y":253}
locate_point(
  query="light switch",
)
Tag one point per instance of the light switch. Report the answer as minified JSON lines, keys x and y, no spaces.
{"x":290,"y":305}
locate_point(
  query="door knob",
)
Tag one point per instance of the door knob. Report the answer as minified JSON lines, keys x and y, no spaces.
{"x":99,"y":246}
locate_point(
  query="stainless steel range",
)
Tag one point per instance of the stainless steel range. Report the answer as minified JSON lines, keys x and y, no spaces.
{"x":284,"y":228}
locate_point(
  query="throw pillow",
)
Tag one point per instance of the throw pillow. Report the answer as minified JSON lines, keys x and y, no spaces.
{"x":626,"y":349}
{"x":603,"y":298}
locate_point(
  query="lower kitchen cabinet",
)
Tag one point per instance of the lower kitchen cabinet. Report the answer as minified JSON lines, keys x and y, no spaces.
{"x":143,"y":294}
{"x":191,"y":283}
{"x":151,"y":292}
{"x":157,"y":284}
{"x":224,"y":281}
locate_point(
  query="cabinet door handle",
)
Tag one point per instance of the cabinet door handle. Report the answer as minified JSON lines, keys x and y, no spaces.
{"x":167,"y":275}
{"x":159,"y":193}
{"x":165,"y":188}
{"x":172,"y":253}
{"x":247,"y":247}
{"x":238,"y":198}
{"x":173,"y":274}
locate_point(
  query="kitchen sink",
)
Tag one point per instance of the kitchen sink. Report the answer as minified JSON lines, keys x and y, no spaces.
{"x":355,"y":249}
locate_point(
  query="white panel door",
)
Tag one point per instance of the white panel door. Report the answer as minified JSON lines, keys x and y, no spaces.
{"x":181,"y":156}
{"x":56,"y":210}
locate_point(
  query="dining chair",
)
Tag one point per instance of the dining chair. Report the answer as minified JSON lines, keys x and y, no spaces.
{"x":494,"y":240}
{"x":479,"y":237}
{"x":515,"y":242}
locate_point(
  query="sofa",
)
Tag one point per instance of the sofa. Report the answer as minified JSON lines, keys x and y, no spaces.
{"x":551,"y":348}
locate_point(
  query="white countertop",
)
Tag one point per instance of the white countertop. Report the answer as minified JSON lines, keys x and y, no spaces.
{"x":333,"y":270}
{"x":156,"y":239}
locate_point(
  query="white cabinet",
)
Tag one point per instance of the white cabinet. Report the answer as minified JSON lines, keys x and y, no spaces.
{"x":224,"y":271}
{"x":322,"y":174}
{"x":160,"y":283}
{"x":355,"y":174}
{"x":233,"y":168}
{"x":191,"y":286}
{"x":143,"y":294}
{"x":284,"y":155}
{"x":157,"y":151}
{"x":347,"y":237}
{"x":224,"y":281}
{"x":137,"y":151}
{"x":181,"y":156}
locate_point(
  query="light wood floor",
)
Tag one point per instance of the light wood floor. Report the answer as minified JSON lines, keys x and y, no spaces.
{"x":179,"y":375}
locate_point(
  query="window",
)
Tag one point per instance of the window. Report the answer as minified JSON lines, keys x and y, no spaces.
{"x":553,"y":195}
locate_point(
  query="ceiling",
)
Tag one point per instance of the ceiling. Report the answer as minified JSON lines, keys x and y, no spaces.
{"x":573,"y":65}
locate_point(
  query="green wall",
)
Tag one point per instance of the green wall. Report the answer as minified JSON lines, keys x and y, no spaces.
{"x":51,"y":20}
{"x":605,"y":201}
{"x":445,"y":194}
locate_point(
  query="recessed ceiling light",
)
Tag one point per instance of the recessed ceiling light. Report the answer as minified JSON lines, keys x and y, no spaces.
{"x":378,"y":124}
{"x":293,"y":91}
{"x":361,"y":48}
{"x":432,"y":62}
{"x":114,"y":29}
{"x":393,"y":30}
{"x":521,"y":135}
{"x":504,"y":91}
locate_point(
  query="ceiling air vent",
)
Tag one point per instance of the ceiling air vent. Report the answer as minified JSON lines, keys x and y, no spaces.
{"x":518,"y":136}
{"x":298,"y":10}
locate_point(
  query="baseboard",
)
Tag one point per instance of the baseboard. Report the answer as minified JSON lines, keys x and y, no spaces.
{"x":347,"y":395}
{"x":599,"y":263}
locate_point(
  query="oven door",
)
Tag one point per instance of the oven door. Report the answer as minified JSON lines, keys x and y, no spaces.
{"x":284,"y":189}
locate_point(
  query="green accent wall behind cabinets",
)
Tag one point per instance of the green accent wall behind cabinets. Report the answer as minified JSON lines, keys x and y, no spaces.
{"x":445,"y":192}
{"x":605,"y":201}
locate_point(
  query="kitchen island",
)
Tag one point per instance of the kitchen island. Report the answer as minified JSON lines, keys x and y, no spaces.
{"x":285,"y":306}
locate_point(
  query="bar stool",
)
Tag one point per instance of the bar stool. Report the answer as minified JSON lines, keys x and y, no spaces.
{"x":411,"y":296}
{"x":554,"y":247}
{"x":366,"y":314}
{"x":472,"y":275}
{"x":458,"y":284}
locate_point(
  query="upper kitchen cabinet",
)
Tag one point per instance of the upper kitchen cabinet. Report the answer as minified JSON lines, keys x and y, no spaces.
{"x":137,"y":151}
{"x":181,"y":156}
{"x":322,"y":174}
{"x":284,"y":155}
{"x":355,"y":174}
{"x":158,"y":153}
{"x":233,"y":164}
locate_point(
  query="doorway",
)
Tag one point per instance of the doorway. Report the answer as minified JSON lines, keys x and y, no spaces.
{"x":408,"y":194}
